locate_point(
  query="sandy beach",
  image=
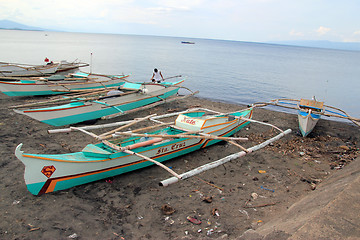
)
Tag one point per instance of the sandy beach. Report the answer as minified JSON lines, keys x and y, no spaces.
{"x":243,"y":194}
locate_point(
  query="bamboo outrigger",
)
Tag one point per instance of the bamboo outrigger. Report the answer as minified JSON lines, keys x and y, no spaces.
{"x":59,"y":84}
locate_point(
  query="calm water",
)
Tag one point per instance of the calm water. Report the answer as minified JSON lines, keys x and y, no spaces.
{"x":235,"y":72}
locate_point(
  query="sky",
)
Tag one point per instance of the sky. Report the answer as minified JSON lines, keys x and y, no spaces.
{"x":239,"y":20}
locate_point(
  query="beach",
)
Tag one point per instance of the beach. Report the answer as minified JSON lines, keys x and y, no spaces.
{"x":245,"y":193}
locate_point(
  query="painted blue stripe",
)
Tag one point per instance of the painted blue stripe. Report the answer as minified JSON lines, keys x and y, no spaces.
{"x":105,"y":112}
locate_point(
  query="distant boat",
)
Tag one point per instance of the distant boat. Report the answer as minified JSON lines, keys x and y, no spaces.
{"x":186,"y":42}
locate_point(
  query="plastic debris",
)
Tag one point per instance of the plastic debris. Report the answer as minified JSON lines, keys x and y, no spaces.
{"x":215,"y":212}
{"x":209,"y":232}
{"x":262,"y":171}
{"x":244,"y":212}
{"x":254,"y":195}
{"x":193,"y":220}
{"x":207,"y":199}
{"x":73,"y":236}
{"x":267,"y":189}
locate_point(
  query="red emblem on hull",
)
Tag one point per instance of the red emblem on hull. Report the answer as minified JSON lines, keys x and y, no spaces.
{"x":48,"y":170}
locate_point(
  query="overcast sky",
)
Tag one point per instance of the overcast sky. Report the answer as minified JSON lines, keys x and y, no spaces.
{"x":242,"y":20}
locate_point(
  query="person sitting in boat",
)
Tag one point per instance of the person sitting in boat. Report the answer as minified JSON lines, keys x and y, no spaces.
{"x":157,"y":76}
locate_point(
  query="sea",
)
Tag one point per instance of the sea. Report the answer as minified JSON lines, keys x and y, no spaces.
{"x":221,"y":70}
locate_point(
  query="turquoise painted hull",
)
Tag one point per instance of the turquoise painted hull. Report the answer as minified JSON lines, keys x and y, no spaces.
{"x":105,"y":112}
{"x":76,"y":112}
{"x":160,"y":152}
{"x":49,"y":92}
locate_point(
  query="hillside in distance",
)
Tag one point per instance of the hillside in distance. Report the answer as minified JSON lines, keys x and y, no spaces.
{"x":10,"y":25}
{"x":351,"y":46}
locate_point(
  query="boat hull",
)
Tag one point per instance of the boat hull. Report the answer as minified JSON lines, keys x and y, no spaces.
{"x":40,"y":87}
{"x":9,"y":70}
{"x":81,"y":111}
{"x":307,"y":122}
{"x":48,"y":173}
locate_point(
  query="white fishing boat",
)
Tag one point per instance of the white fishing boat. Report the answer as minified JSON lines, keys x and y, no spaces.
{"x":309,"y":112}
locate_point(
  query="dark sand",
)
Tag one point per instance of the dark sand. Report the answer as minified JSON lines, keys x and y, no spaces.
{"x":129,"y":206}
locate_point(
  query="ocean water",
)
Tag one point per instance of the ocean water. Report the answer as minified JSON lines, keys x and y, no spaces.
{"x":228,"y":71}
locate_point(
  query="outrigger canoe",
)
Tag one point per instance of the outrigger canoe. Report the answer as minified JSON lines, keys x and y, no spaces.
{"x":60,"y":84}
{"x":192,"y":130}
{"x":80,"y":109}
{"x":23,"y":70}
{"x":12,"y":69}
{"x":309,"y":112}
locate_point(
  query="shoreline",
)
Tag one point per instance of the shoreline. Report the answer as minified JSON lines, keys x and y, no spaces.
{"x":129,"y":206}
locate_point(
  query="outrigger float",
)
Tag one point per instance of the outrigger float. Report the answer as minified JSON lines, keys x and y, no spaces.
{"x":309,"y":112}
{"x":100,"y":104}
{"x":119,"y":152}
{"x":60,"y":84}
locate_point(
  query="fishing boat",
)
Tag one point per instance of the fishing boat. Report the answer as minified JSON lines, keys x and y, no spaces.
{"x":18,"y":69}
{"x":309,"y":112}
{"x":128,"y":151}
{"x":27,"y":70}
{"x":59,"y":84}
{"x":66,"y":66}
{"x":84,"y":107}
{"x":187,"y":42}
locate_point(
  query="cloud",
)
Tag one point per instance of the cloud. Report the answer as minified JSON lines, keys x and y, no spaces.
{"x":323,"y":30}
{"x":297,"y":34}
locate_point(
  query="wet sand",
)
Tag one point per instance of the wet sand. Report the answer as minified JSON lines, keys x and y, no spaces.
{"x":228,"y":200}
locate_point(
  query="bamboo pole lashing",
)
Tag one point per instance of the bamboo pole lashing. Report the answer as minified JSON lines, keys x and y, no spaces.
{"x":137,"y":120}
{"x":107,"y":125}
{"x":179,"y":136}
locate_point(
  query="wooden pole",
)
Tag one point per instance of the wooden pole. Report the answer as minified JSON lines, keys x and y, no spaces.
{"x":148,"y":106}
{"x":219,"y":162}
{"x":136,"y":120}
{"x":126,"y":150}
